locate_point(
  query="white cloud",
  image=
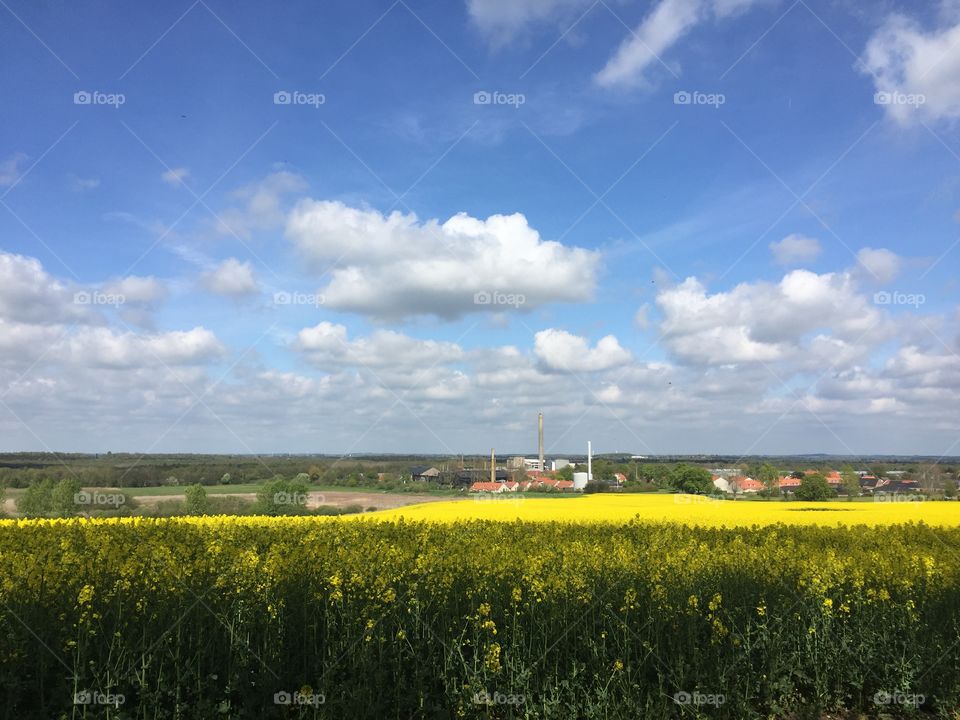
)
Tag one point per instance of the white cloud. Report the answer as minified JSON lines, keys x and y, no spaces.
{"x":327,"y":345}
{"x":137,"y":289}
{"x":879,"y":264}
{"x":175,"y":176}
{"x":394,"y":266}
{"x":660,"y":30}
{"x":263,"y":205}
{"x":642,"y":317}
{"x":501,"y":20}
{"x":561,"y":351}
{"x":232,"y":278}
{"x":795,"y":250}
{"x":29,"y":294}
{"x":81,"y":184}
{"x":102,"y":347}
{"x":915,"y":73}
{"x":764,"y":322}
{"x":10,"y":169}
{"x":666,"y":23}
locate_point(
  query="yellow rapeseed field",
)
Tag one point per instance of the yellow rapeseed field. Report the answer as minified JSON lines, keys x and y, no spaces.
{"x":687,"y":509}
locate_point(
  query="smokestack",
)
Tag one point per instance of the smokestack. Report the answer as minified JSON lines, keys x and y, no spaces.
{"x":589,"y":461}
{"x":540,"y":439}
{"x":493,"y":466}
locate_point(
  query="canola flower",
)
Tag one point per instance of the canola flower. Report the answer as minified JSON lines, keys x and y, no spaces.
{"x":391,"y":617}
{"x":686,"y":509}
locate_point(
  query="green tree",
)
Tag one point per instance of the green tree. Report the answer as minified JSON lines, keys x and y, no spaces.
{"x":196,"y":500}
{"x":851,"y":482}
{"x":691,"y":479}
{"x":282,"y":497}
{"x":225,"y":479}
{"x":770,"y":477}
{"x":814,"y":487}
{"x":565,"y":473}
{"x":63,"y":497}
{"x":37,"y":499}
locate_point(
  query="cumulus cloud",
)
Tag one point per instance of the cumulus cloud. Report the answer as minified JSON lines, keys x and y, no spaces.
{"x":916,"y":73}
{"x":879,"y":264}
{"x":795,"y":250}
{"x":106,"y":348}
{"x":327,"y":344}
{"x":764,"y":322}
{"x":232,"y":278}
{"x":175,"y":176}
{"x":262,"y":205}
{"x":559,"y":350}
{"x":661,"y":29}
{"x":394,"y":266}
{"x":29,"y":294}
{"x":137,"y":289}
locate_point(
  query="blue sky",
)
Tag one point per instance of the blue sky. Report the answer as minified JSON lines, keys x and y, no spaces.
{"x":189,"y":264}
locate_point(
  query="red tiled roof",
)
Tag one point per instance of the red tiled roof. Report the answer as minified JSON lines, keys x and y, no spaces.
{"x":485,"y":487}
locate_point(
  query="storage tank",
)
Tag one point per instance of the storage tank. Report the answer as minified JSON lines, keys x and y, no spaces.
{"x":579,"y":480}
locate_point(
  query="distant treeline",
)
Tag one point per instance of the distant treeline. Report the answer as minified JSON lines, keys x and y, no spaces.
{"x":19,"y":470}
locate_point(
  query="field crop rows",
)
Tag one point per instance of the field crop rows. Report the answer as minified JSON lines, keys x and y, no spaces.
{"x":328,"y":618}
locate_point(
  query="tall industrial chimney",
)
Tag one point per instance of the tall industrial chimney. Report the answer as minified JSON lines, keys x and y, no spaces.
{"x":589,"y":460}
{"x":540,"y":440}
{"x":493,"y":466}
